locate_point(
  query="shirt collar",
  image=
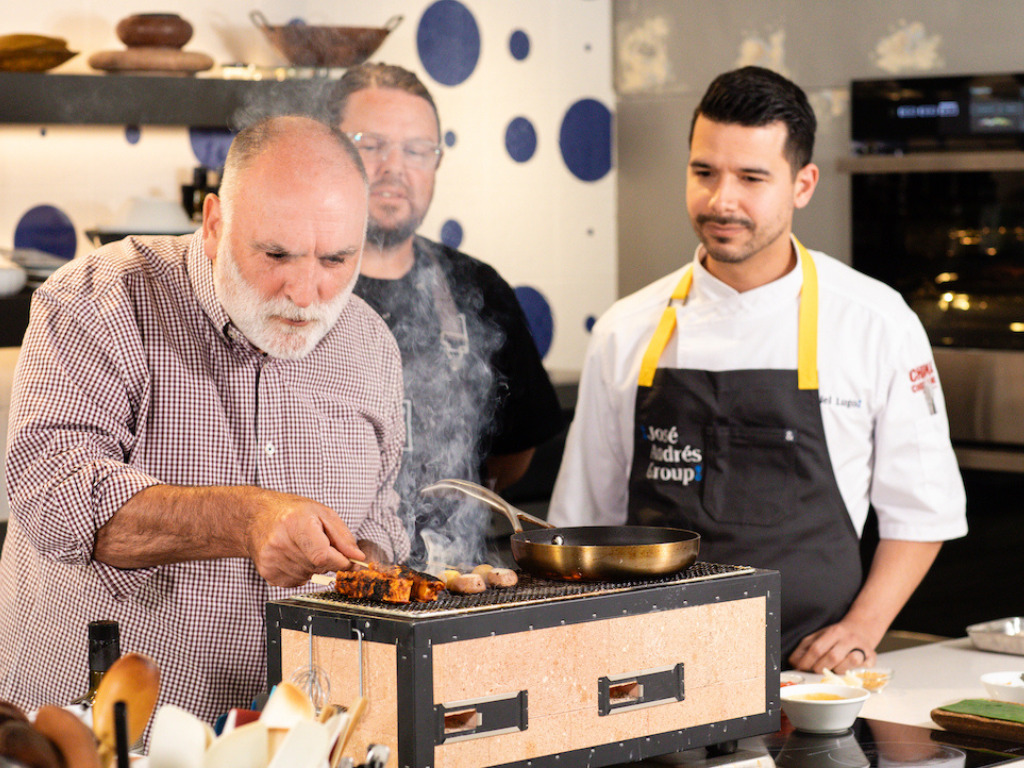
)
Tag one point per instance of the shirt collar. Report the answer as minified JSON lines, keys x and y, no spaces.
{"x":200,"y":272}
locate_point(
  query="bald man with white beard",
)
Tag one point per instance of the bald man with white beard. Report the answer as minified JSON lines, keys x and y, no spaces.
{"x":198,"y":426}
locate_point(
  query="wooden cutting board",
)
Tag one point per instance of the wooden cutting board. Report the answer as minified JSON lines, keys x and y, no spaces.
{"x":151,"y":59}
{"x":983,"y":717}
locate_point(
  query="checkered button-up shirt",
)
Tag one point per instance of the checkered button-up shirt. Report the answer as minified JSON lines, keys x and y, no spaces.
{"x":131,"y":375}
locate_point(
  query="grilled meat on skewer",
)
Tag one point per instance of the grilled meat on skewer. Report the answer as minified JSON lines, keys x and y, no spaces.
{"x":388,"y":583}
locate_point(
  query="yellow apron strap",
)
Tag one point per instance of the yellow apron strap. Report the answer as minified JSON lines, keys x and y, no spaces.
{"x":807,"y":334}
{"x":663,"y":332}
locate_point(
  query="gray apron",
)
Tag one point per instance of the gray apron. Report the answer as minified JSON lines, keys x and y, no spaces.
{"x":740,"y":457}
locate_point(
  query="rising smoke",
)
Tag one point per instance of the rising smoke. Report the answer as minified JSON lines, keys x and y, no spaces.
{"x":453,"y":412}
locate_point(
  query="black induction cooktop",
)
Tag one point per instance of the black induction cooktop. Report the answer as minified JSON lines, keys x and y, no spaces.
{"x":869,"y":744}
{"x":879,"y":744}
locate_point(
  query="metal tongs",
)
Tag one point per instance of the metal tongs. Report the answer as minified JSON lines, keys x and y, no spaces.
{"x":488,"y":497}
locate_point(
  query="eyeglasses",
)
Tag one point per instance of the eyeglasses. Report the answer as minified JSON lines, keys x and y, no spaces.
{"x":417,"y":153}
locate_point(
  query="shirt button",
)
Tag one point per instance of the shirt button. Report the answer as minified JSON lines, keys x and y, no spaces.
{"x":271,"y":449}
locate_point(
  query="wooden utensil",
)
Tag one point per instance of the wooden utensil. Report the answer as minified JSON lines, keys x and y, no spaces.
{"x":135,"y":680}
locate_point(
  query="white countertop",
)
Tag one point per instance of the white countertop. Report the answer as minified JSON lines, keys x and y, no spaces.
{"x":923,"y":677}
{"x":930,"y":676}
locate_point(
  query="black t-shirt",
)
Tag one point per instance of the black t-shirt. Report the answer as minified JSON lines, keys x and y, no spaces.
{"x":495,"y":398}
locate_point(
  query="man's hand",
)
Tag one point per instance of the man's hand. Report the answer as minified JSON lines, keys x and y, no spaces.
{"x":291,"y":537}
{"x":839,"y":647}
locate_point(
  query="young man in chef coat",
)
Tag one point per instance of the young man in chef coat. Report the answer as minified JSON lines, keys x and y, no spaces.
{"x":765,"y":395}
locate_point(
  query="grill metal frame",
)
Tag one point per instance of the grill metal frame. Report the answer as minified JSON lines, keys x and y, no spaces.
{"x":416,"y":635}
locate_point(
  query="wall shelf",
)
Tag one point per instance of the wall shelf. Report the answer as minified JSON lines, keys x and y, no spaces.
{"x":934,"y":162}
{"x":31,"y":98}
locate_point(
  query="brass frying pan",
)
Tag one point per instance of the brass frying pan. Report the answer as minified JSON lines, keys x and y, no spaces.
{"x":588,"y":553}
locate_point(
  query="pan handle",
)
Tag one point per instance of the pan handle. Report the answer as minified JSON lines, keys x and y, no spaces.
{"x":488,"y":497}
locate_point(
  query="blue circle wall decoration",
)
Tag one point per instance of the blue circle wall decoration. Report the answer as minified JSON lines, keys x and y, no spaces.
{"x":589,"y":323}
{"x":539,"y":319}
{"x":520,"y":139}
{"x":132,"y":134}
{"x":586,"y":139}
{"x":448,"y":42}
{"x":210,"y":145}
{"x":450,"y":138}
{"x":451,"y":233}
{"x":46,"y":228}
{"x":519,"y":45}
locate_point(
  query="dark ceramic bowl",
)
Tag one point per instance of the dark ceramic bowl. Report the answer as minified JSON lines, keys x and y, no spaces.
{"x":166,"y":30}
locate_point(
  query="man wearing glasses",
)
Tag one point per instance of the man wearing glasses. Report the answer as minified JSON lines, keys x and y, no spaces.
{"x":478,"y":399}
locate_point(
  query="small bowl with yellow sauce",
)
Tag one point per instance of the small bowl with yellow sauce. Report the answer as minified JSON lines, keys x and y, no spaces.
{"x":822,"y":707}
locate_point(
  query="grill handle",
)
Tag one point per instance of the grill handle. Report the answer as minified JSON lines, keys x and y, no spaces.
{"x":622,"y":693}
{"x":474,"y":718}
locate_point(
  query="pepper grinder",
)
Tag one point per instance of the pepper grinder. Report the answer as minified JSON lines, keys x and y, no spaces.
{"x":193,"y":195}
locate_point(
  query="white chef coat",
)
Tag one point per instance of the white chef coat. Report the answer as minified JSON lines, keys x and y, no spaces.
{"x":881,"y":403}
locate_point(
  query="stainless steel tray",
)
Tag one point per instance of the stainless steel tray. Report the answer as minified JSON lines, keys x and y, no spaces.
{"x":1002,"y":635}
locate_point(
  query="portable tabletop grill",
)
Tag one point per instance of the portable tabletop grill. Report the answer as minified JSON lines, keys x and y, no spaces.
{"x":547,"y":673}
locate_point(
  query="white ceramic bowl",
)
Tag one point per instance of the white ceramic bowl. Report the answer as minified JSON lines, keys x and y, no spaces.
{"x":1004,"y":686}
{"x":822,"y":716}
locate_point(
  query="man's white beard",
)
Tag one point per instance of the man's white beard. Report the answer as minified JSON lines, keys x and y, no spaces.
{"x":259,"y":319}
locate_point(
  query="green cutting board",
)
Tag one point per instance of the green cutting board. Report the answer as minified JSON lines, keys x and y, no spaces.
{"x":983,"y":717}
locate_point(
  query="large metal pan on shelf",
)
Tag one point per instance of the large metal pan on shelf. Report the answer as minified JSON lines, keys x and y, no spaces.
{"x":586,"y":553}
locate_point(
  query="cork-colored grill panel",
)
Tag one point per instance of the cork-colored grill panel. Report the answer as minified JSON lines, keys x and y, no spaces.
{"x":722,"y":646}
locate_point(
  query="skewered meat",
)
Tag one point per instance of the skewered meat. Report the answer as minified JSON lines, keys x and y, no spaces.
{"x":388,"y":584}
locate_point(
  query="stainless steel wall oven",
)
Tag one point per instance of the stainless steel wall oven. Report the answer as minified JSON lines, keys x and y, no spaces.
{"x":937,"y":193}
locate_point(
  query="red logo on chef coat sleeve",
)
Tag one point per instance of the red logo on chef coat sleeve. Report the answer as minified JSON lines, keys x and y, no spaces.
{"x":924,"y":380}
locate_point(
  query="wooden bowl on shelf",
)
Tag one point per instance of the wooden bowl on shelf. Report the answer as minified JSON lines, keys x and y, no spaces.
{"x":165,"y":30}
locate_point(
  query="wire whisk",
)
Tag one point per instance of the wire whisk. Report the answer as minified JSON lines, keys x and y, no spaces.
{"x":312,"y":678}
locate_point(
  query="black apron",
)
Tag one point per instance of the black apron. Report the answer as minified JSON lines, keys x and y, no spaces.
{"x":740,"y":457}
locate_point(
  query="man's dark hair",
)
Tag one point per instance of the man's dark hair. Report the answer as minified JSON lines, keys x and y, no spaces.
{"x":755,"y":97}
{"x":377,"y":75}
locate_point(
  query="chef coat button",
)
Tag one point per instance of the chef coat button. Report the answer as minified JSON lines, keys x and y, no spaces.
{"x":271,"y":449}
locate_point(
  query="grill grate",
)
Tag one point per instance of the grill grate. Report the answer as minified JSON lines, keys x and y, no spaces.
{"x":531,"y":589}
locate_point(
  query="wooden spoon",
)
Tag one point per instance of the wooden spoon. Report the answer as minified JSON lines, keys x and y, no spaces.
{"x":135,"y":680}
{"x":355,"y":713}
